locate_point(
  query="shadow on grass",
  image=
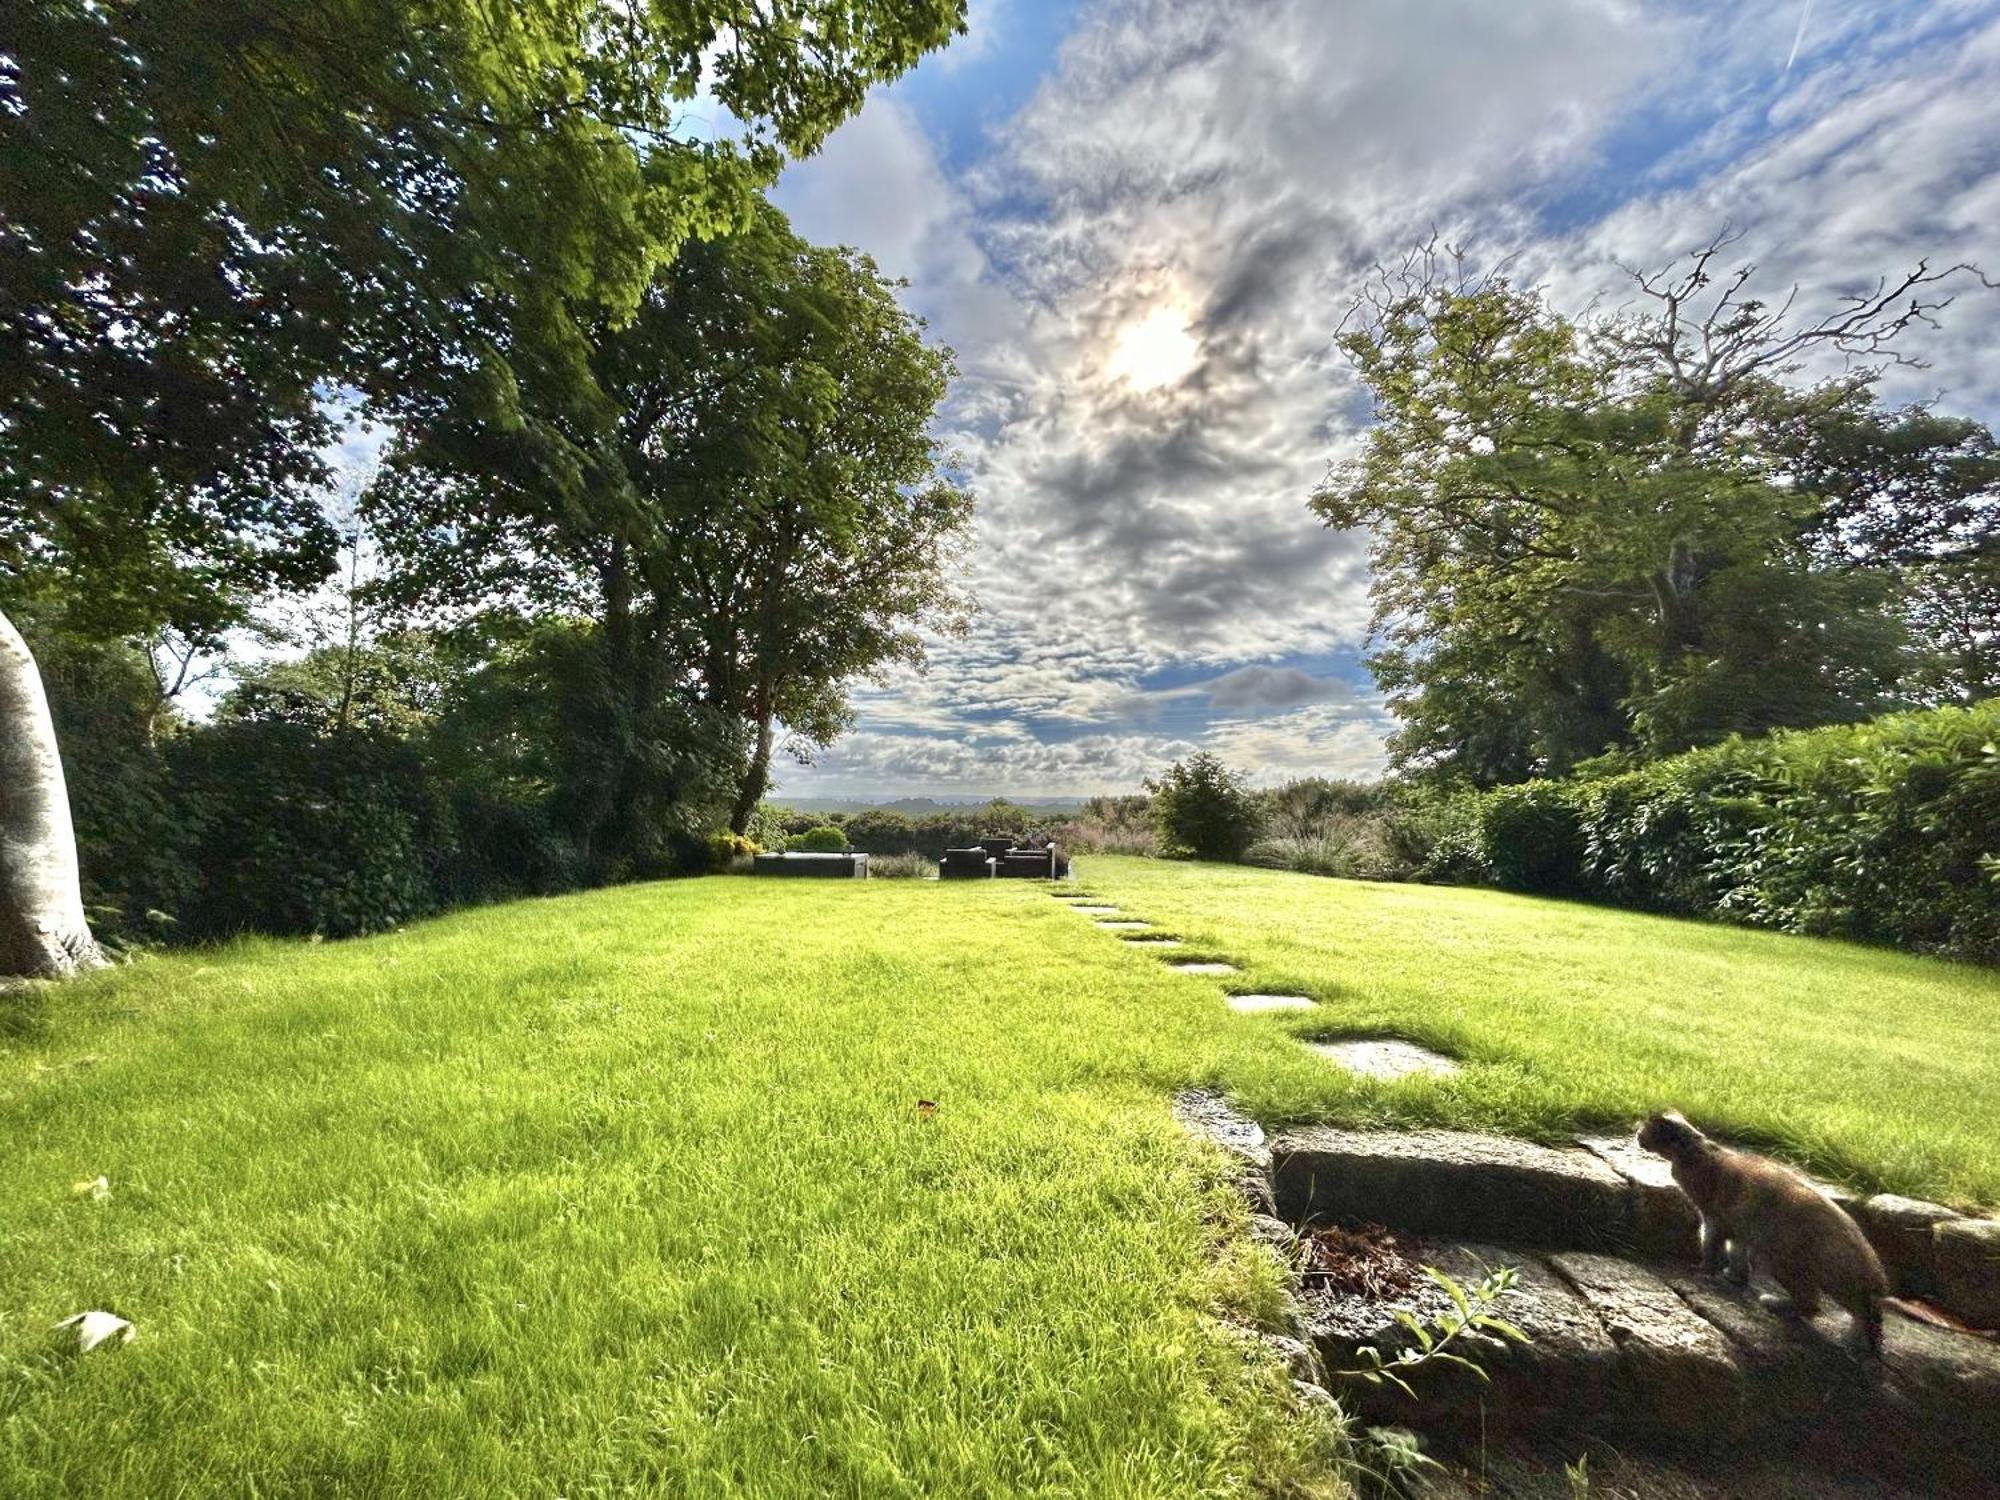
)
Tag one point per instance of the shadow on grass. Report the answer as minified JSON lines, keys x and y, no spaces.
{"x":24,"y":1011}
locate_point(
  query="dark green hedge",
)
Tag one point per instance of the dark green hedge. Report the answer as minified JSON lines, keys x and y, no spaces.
{"x":1886,"y":832}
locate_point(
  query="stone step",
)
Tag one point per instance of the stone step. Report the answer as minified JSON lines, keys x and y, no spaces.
{"x":1602,"y":1193}
{"x":1658,"y":1354}
{"x":1481,"y":1187}
{"x":1635,"y":1348}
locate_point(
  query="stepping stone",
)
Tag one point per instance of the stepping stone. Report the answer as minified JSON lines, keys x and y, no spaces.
{"x":1204,"y":967}
{"x":1092,"y":908}
{"x":1151,"y":940}
{"x":1252,"y":1005}
{"x":1122,"y":925}
{"x":1385,"y":1058}
{"x":1481,"y":1187}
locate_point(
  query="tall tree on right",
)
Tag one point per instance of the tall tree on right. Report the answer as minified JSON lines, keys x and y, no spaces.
{"x":1652,"y":529}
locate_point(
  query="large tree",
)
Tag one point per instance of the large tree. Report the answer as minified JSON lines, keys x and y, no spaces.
{"x":1652,"y":528}
{"x":768,"y":519}
{"x":214,"y":213}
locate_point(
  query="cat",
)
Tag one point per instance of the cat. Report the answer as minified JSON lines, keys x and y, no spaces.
{"x":1758,"y":1215}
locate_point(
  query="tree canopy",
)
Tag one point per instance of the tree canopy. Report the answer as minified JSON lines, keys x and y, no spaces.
{"x":220,"y":211}
{"x":768,"y":517}
{"x":1646,"y":529}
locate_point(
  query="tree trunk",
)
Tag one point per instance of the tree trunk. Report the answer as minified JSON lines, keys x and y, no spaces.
{"x":1673,"y":595}
{"x":43,"y":933}
{"x":756,"y":777}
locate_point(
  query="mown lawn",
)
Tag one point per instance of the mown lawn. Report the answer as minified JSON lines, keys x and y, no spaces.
{"x":1874,"y":1067}
{"x":628,"y":1193}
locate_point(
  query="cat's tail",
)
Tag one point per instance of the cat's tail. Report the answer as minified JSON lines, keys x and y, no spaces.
{"x":1923,"y":1312}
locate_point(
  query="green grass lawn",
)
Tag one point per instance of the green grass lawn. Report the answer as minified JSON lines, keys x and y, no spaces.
{"x":1874,"y":1067}
{"x":629,"y":1192}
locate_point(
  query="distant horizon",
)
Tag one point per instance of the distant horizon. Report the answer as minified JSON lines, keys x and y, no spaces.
{"x":824,"y":802}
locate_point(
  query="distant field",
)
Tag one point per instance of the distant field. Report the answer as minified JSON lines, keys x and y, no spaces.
{"x":630,"y":1192}
{"x":1876,"y":1067}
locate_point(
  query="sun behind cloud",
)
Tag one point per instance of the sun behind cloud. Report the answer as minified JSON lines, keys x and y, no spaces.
{"x":1154,"y":351}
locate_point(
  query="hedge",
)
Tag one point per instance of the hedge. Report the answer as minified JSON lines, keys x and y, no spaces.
{"x":1885,"y":832}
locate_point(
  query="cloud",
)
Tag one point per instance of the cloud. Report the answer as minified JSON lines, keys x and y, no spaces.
{"x":1273,"y":687}
{"x":1143,"y":274}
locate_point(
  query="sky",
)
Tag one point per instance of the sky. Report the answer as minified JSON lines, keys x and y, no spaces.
{"x":1139,"y":222}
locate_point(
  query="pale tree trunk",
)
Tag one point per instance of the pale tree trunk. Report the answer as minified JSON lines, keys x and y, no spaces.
{"x":43,"y":933}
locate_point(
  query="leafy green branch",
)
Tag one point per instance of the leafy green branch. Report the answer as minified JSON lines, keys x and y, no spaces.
{"x":1471,"y":1312}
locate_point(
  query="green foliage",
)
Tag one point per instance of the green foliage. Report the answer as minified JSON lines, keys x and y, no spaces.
{"x":218,"y":208}
{"x":765,"y":515}
{"x":767,"y":828}
{"x":825,"y":839}
{"x":881,"y":831}
{"x":1339,"y":828}
{"x":1111,"y":825}
{"x":126,"y":800}
{"x":1881,"y":832}
{"x":727,"y":851}
{"x":222,"y":217}
{"x":293,"y":832}
{"x":1432,"y":1340}
{"x":1203,"y":810}
{"x":351,"y":789}
{"x":1531,"y":839}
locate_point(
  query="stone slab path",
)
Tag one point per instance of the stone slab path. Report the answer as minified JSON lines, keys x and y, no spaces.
{"x":1385,"y":1057}
{"x":1253,"y":1005}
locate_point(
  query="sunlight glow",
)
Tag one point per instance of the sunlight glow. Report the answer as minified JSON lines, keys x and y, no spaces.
{"x":1154,"y":351}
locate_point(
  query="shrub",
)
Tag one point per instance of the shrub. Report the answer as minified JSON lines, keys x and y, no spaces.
{"x":1203,"y":810}
{"x":1328,"y":852}
{"x":1883,"y":832}
{"x":767,"y":828}
{"x":901,"y":867}
{"x":825,"y":839}
{"x":1110,"y":825}
{"x":728,"y":850}
{"x":1530,"y":838}
{"x":298,"y":834}
{"x":1349,"y":829}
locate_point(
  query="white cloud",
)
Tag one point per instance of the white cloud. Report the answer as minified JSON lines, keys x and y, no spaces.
{"x":1143,"y":276}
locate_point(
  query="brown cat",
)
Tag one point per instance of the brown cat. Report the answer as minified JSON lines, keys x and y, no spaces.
{"x":1758,"y":1215}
